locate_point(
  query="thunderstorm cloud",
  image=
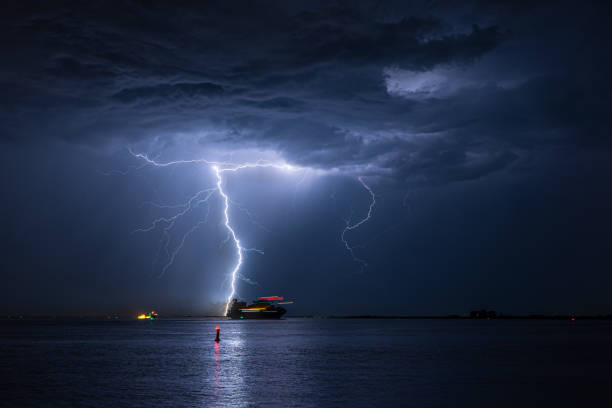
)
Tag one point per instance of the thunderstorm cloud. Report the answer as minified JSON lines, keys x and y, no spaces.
{"x":482,"y":127}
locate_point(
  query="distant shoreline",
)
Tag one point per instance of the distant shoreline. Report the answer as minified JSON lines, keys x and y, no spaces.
{"x":449,"y":317}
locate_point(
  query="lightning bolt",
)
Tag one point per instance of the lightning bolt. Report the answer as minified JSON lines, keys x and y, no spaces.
{"x":240,"y":250}
{"x":350,"y":227}
{"x":169,"y":222}
{"x":218,"y":168}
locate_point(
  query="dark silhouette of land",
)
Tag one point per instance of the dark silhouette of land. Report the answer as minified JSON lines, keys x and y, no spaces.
{"x":474,"y":315}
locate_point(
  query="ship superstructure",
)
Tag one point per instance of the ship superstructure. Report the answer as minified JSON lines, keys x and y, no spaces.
{"x":266,"y":307}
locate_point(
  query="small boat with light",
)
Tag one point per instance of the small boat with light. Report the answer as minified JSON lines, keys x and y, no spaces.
{"x":148,"y":316}
{"x":266,"y":307}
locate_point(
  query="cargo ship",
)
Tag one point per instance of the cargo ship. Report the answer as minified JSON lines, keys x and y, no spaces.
{"x":266,"y":307}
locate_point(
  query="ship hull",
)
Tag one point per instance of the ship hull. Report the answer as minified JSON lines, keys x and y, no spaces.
{"x":261,"y":309}
{"x":258,"y":315}
{"x":264,"y":314}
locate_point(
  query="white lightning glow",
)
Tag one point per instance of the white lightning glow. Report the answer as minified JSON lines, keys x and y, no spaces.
{"x":239,"y":249}
{"x":350,"y":227}
{"x":232,"y":232}
{"x":219,"y":168}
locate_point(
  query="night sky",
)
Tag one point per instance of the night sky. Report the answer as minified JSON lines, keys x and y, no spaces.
{"x":483,"y":129}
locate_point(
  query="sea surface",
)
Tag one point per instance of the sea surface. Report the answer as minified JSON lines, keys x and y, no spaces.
{"x":306,"y":363}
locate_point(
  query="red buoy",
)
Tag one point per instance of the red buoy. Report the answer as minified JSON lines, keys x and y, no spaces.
{"x":217,"y":339}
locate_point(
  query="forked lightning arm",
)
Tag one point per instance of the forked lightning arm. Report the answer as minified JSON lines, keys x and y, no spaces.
{"x":350,"y":227}
{"x":219,"y":168}
{"x":239,"y":248}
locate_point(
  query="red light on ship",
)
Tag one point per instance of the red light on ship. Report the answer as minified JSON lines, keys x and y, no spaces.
{"x":268,"y":298}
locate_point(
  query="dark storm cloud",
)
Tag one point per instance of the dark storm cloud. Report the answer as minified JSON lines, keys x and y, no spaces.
{"x":305,"y":81}
{"x":167,"y":92}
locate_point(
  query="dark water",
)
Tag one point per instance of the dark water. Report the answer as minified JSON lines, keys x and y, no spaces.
{"x":306,"y":363}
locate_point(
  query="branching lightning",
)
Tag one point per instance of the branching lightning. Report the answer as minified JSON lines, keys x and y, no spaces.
{"x":239,"y":248}
{"x":219,"y":168}
{"x":187,"y":207}
{"x":198,"y":198}
{"x":179,"y":247}
{"x":249,"y":215}
{"x":350,"y":227}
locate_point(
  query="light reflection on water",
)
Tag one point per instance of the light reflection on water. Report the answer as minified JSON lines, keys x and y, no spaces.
{"x":228,"y":378}
{"x":303,"y":363}
{"x":217,"y":366}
